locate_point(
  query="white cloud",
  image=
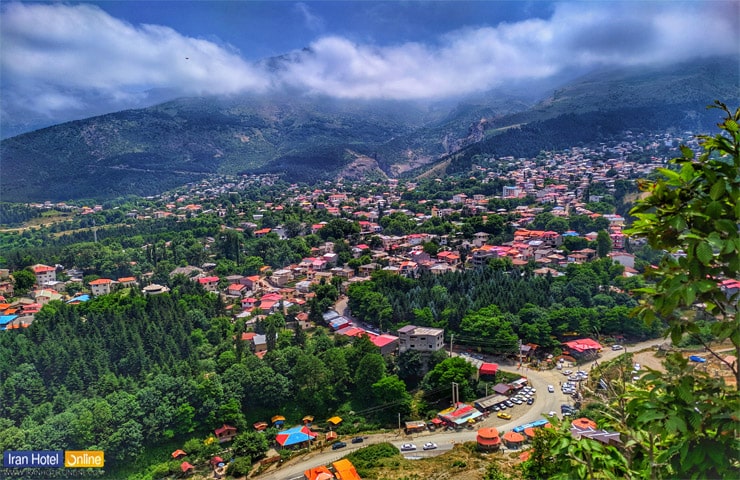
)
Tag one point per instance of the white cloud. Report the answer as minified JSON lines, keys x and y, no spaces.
{"x":579,"y":35}
{"x":58,"y":58}
{"x":81,"y":50}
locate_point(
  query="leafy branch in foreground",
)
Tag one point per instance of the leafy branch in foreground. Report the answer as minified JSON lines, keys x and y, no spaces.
{"x":693,"y":215}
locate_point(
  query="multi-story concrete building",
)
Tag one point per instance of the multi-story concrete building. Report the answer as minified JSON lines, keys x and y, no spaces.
{"x":423,"y":339}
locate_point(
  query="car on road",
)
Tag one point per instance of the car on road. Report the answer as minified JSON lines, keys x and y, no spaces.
{"x":617,"y":347}
{"x":637,"y":367}
{"x":429,"y":446}
{"x":504,"y":415}
{"x":358,"y":440}
{"x":551,"y":389}
{"x":408,"y":447}
{"x":338,"y":445}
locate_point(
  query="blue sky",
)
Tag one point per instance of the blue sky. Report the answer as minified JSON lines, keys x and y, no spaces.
{"x":68,"y":60}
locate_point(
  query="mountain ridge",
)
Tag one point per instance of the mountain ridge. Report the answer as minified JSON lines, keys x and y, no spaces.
{"x":305,"y":138}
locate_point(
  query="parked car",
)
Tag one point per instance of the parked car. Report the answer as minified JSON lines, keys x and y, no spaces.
{"x":551,"y":389}
{"x":408,"y":447}
{"x":637,"y":367}
{"x":617,"y":347}
{"x":504,"y":415}
{"x":358,"y":440}
{"x":530,"y":401}
{"x":429,"y":446}
{"x":509,"y":403}
{"x":496,"y":408}
{"x":516,"y":400}
{"x":338,"y":445}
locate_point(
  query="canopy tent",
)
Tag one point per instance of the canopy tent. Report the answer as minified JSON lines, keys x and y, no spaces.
{"x":186,"y":467}
{"x":513,"y":438}
{"x":331,"y":435}
{"x":529,"y":432}
{"x":278,"y":420}
{"x":583,"y":423}
{"x":488,"y":369}
{"x":318,"y":473}
{"x":294,"y":436}
{"x":335,"y":420}
{"x":308,"y":419}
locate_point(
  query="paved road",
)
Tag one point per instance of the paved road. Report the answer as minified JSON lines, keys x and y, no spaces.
{"x":544,"y":403}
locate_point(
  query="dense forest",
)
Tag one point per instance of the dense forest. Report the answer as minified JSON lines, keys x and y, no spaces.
{"x":491,"y":307}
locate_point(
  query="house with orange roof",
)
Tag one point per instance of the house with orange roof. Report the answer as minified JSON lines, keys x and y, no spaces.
{"x":236,"y":289}
{"x":127,"y":282}
{"x":251,"y":282}
{"x":101,"y":286}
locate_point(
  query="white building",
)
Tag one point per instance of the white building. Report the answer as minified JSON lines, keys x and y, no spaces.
{"x":423,"y":339}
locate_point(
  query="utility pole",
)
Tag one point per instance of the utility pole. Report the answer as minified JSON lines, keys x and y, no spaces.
{"x":520,"y":354}
{"x":455,"y":393}
{"x":452,"y":337}
{"x":399,"y":424}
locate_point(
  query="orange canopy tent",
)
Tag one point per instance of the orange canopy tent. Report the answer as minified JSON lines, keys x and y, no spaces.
{"x":513,"y":438}
{"x":584,"y":423}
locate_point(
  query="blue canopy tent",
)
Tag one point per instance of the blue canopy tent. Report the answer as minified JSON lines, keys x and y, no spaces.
{"x":294,"y":436}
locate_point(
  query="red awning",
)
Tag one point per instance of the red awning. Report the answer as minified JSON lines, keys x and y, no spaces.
{"x":488,"y":369}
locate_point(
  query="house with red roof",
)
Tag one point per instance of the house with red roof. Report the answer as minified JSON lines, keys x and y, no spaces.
{"x":583,"y":348}
{"x":386,"y":343}
{"x":44,"y":274}
{"x":101,"y":286}
{"x":209,"y":283}
{"x":225,"y":433}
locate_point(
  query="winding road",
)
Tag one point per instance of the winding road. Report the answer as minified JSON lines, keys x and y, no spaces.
{"x":544,"y":402}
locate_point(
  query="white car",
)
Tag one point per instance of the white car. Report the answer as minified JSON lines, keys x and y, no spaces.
{"x":551,"y":389}
{"x":407,"y":447}
{"x":617,"y":347}
{"x":637,"y":367}
{"x":429,"y":446}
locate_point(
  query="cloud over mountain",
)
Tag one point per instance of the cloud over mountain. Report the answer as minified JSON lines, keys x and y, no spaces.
{"x":63,"y":61}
